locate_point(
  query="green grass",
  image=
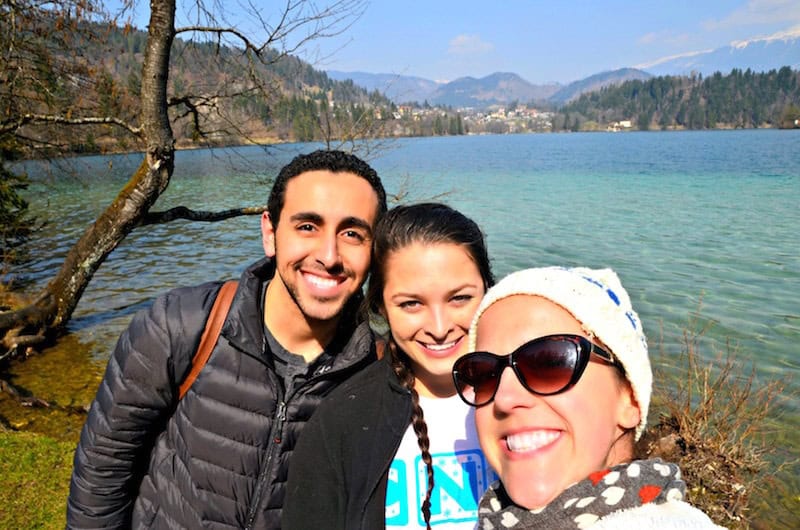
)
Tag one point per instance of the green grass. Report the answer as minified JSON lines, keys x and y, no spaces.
{"x":34,"y":480}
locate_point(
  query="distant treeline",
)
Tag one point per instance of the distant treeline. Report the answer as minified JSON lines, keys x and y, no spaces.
{"x":304,"y":104}
{"x":741,"y":99}
{"x":282,"y":97}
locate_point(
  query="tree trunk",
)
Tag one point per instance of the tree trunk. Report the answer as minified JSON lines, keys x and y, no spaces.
{"x":54,"y":306}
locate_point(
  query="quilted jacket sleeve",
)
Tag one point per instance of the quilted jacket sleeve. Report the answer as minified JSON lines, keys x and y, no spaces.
{"x":134,"y":399}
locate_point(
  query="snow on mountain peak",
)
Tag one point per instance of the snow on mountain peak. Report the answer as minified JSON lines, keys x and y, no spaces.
{"x":786,"y":35}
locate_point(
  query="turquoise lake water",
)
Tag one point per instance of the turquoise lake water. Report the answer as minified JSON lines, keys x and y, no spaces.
{"x":693,"y":222}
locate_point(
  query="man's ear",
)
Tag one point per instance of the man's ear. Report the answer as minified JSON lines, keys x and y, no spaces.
{"x":267,"y":235}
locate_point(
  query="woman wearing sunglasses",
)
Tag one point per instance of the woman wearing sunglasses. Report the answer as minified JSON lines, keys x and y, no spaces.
{"x":395,"y":447}
{"x":561,"y":383}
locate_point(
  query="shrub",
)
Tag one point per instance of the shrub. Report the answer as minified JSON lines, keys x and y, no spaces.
{"x":712,"y":422}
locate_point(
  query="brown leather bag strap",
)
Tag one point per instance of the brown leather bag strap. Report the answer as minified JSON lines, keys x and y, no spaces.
{"x":380,"y":348}
{"x":219,"y":311}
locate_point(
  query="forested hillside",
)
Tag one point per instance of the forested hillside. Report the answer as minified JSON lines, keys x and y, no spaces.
{"x":307,"y":104}
{"x":97,"y":71}
{"x":741,"y":99}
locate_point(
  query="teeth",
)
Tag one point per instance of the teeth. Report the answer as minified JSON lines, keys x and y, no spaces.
{"x":441,"y":347}
{"x":325,"y":283}
{"x":530,"y":441}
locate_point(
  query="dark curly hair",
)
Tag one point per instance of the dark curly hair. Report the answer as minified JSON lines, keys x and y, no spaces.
{"x":333,"y":161}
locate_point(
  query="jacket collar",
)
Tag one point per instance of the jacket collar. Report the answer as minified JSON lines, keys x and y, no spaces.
{"x":244,"y":327}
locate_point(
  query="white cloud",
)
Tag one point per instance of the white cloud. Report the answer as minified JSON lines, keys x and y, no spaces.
{"x":664,"y":37}
{"x":648,"y":38}
{"x":469,"y":45}
{"x":758,"y":12}
{"x":650,"y":64}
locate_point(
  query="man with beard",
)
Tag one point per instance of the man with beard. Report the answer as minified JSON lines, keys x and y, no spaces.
{"x":219,"y":456}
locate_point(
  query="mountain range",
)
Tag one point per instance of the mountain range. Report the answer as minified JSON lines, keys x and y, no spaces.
{"x":496,"y":89}
{"x":758,"y":54}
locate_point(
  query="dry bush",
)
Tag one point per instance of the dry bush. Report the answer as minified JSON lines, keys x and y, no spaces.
{"x":712,"y":422}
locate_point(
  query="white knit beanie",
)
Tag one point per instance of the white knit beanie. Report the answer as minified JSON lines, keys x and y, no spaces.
{"x":596,"y":298}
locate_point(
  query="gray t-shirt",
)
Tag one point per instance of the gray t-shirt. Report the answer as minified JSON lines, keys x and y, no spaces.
{"x":293,"y":369}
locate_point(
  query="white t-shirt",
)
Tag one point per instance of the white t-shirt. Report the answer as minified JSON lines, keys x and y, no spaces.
{"x":460,"y":471}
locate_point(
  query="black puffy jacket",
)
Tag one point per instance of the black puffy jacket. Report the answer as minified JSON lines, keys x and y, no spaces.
{"x":338,"y":480}
{"x":218,"y":458}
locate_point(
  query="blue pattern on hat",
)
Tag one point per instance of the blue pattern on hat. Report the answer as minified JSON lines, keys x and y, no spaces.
{"x":613,"y":296}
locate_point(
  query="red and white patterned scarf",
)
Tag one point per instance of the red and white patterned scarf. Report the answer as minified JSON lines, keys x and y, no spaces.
{"x":584,"y":503}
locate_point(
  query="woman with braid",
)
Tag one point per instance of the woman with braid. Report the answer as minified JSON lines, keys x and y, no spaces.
{"x":395,"y":447}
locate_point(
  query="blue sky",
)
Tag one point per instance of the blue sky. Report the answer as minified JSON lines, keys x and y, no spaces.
{"x":541,"y":40}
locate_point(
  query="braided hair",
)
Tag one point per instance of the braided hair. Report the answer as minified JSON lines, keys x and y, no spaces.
{"x":402,"y":226}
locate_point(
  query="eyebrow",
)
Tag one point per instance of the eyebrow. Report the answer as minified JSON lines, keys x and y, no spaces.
{"x":451,"y":292}
{"x":307,"y":216}
{"x":357,"y":222}
{"x":313,"y":217}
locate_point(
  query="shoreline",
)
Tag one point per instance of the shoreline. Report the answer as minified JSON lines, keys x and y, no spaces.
{"x":266,"y":141}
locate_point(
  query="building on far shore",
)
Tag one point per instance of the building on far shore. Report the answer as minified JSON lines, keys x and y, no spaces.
{"x":620,"y":126}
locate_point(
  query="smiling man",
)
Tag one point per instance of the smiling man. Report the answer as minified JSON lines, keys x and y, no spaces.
{"x":320,"y":238}
{"x":219,"y":456}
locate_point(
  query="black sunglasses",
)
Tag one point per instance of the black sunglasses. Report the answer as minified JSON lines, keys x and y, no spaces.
{"x":545,"y":366}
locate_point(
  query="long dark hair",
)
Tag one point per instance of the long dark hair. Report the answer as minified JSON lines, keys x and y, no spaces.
{"x":426,"y":223}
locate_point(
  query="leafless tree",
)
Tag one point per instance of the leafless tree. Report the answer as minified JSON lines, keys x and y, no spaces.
{"x":41,"y":94}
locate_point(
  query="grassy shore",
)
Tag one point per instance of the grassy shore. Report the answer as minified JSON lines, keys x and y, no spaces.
{"x":34,"y":479}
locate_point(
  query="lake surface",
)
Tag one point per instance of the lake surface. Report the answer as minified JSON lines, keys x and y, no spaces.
{"x":700,"y":226}
{"x":689,"y":220}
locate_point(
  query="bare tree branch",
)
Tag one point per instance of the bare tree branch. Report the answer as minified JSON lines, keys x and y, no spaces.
{"x":248,"y":45}
{"x":28,"y":119}
{"x":182,"y":212}
{"x":299,"y":19}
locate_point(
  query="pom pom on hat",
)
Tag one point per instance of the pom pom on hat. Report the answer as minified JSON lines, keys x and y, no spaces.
{"x":596,"y":298}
